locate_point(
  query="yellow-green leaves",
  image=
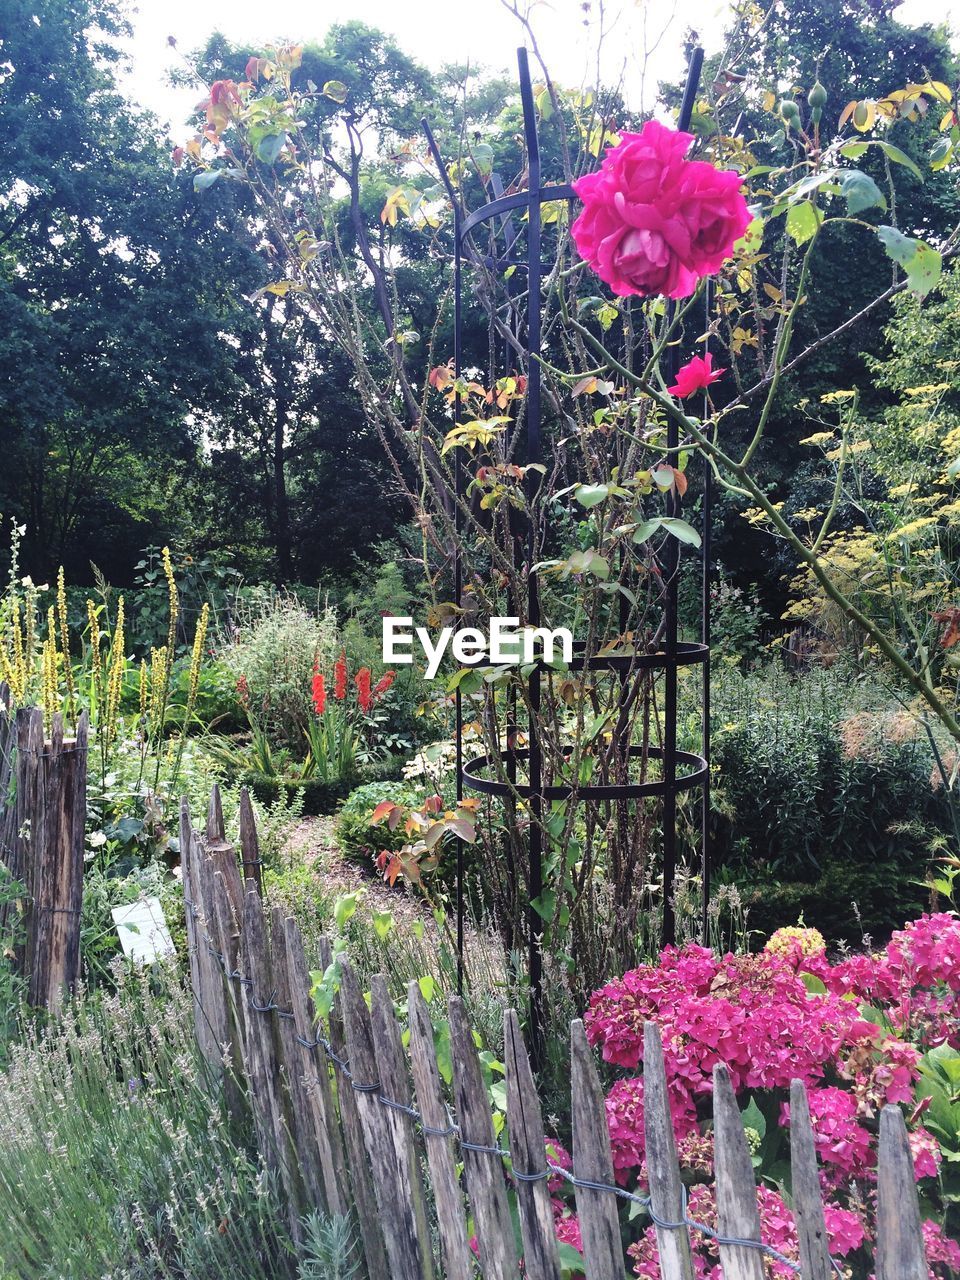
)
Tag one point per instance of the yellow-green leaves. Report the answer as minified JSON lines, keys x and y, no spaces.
{"x":921,"y":263}
{"x":803,"y":220}
{"x":468,"y":435}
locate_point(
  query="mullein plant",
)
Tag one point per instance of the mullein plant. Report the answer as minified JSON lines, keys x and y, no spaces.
{"x":37,"y":666}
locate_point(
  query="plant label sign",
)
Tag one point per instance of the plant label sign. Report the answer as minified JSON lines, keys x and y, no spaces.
{"x":143,"y":931}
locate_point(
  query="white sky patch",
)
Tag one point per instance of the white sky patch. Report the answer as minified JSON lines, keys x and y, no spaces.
{"x":643,"y":42}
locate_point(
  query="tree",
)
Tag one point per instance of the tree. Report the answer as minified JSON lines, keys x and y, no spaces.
{"x":116,"y":286}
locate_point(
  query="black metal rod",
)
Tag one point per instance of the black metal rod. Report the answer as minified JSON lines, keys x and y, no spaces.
{"x":533,"y":454}
{"x":705,"y":636}
{"x":671,"y":603}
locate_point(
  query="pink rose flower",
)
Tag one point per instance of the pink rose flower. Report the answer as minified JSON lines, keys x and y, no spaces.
{"x":653,"y":221}
{"x":696,"y":375}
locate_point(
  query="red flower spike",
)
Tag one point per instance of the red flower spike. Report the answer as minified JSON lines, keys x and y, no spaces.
{"x":383,"y":684}
{"x":318,"y":692}
{"x":340,"y":677}
{"x":364,"y":695}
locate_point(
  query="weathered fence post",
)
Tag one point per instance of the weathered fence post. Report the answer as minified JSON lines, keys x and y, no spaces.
{"x":484,"y":1171}
{"x":315,"y":1071}
{"x":438,"y":1132}
{"x":51,"y":820}
{"x":815,"y":1261}
{"x":737,"y":1210}
{"x":666,"y":1189}
{"x":250,"y":842}
{"x":593,"y":1162}
{"x":541,"y":1259}
{"x":900,"y":1252}
{"x":392,"y":1158}
{"x":361,"y":1181}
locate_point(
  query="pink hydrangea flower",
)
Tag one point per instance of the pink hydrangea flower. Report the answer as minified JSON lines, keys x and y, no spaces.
{"x":927,"y":1156}
{"x":845,"y":1229}
{"x":625,"y":1121}
{"x":940,"y":1249}
{"x":653,"y":221}
{"x":751,"y":1013}
{"x":844,"y":1146}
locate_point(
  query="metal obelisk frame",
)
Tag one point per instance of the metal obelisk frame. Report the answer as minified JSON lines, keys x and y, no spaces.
{"x":668,"y":658}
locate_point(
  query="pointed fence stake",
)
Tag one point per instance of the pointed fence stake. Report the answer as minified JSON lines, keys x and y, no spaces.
{"x":592,"y":1162}
{"x":900,"y":1252}
{"x":663,"y":1168}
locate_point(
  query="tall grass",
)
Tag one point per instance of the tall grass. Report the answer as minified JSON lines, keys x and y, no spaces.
{"x":117,"y":1160}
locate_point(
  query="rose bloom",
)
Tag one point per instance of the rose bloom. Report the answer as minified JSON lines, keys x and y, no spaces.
{"x":696,"y":375}
{"x":653,"y":221}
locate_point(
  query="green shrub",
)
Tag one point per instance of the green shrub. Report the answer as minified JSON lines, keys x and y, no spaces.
{"x":825,"y":798}
{"x":274,"y":647}
{"x":355,"y":837}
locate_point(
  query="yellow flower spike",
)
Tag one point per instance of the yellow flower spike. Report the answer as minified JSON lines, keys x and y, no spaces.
{"x":143,"y":689}
{"x":173,"y":597}
{"x":19,"y":683}
{"x":118,"y":663}
{"x":96,"y":659}
{"x":196,"y":657}
{"x":71,"y":707}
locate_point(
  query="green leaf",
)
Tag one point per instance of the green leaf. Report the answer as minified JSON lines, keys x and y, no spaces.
{"x":753,"y":1118}
{"x":682,"y":531}
{"x":483,"y":158}
{"x":803,"y":221}
{"x":382,"y":924}
{"x":861,"y":192}
{"x":898,"y":246}
{"x":268,"y":149}
{"x":941,"y":154}
{"x":546,"y":905}
{"x":591,"y":495}
{"x":202,"y":181}
{"x":921,"y":263}
{"x":900,"y":157}
{"x":346,"y":905}
{"x":428,"y":988}
{"x":645,"y":531}
{"x":498,"y":1094}
{"x":571,"y":1261}
{"x":925,"y":271}
{"x":468,"y":680}
{"x":813,"y":984}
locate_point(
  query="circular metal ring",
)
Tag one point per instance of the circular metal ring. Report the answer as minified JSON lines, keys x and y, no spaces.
{"x":698,"y":772}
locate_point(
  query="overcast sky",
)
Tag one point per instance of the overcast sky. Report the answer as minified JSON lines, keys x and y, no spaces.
{"x":438,"y":31}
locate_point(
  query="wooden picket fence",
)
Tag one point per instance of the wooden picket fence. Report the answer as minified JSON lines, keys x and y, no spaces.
{"x":351,"y":1119}
{"x":43,"y":812}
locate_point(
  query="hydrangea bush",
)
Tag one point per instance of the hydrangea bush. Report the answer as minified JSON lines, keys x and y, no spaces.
{"x":860,"y":1033}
